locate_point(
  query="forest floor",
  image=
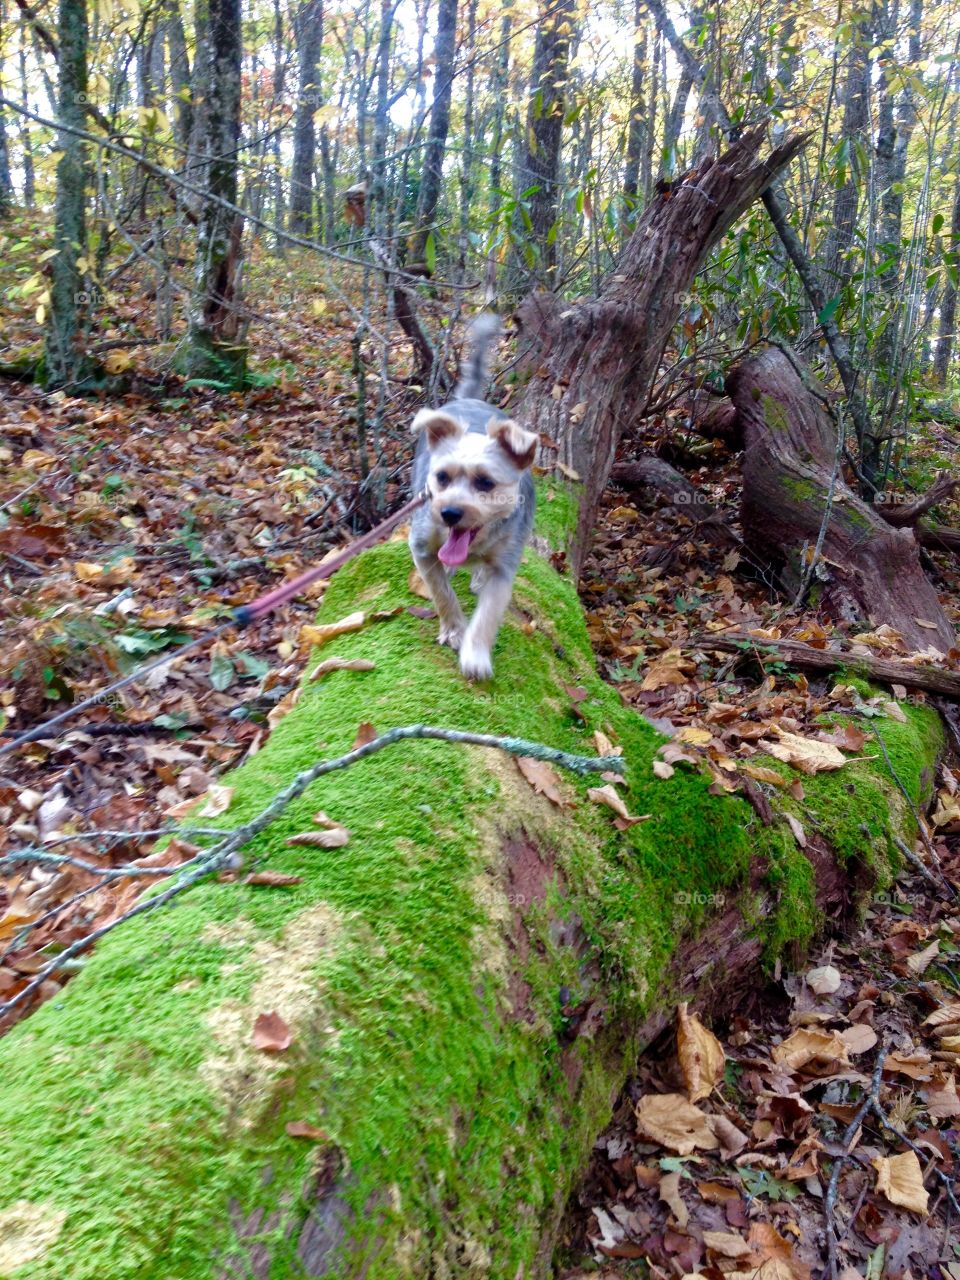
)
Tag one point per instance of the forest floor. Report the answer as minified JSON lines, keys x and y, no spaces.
{"x":132,"y":522}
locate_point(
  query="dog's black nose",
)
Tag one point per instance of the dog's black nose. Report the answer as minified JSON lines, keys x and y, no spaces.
{"x":451,"y":515}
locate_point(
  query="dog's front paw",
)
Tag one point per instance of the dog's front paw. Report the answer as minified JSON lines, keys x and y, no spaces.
{"x":475,"y":663}
{"x":452,"y":634}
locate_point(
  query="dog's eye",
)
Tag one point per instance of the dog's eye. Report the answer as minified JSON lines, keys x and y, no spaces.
{"x":442,"y":479}
{"x":483,"y":483}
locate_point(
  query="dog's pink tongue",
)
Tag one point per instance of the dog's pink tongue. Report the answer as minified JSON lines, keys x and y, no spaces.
{"x":457,"y":546}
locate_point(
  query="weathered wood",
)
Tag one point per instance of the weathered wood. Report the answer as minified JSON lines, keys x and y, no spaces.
{"x":594,"y":362}
{"x":867,"y":569}
{"x":926,"y":675}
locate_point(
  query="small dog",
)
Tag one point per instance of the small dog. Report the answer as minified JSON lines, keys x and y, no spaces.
{"x":474,"y":462}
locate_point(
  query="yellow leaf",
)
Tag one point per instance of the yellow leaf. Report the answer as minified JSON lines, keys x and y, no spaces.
{"x":117,"y":362}
{"x":806,"y":754}
{"x":900,"y":1179}
{"x":38,"y":460}
{"x":87,"y":571}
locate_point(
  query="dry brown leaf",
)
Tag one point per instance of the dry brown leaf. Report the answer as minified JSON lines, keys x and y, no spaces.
{"x":726,"y":1244}
{"x":806,"y":754}
{"x":668,"y":1118}
{"x":731,"y":1140}
{"x":217,"y":801}
{"x":946,"y":1013}
{"x":542,"y":777}
{"x":798,"y":832}
{"x":365,"y":733}
{"x":663,"y":770}
{"x":333,"y":839}
{"x":824,"y":981}
{"x":604,"y":746}
{"x":816,"y":1052}
{"x":900,"y":1179}
{"x":609,"y":797}
{"x":701,"y":1055}
{"x":941,"y":1098}
{"x":670,"y":1195}
{"x":316,"y":634}
{"x":670,"y":668}
{"x":301,"y":1129}
{"x":920,"y":961}
{"x":763,"y":774}
{"x":271,"y":1033}
{"x":278,"y":879}
{"x":859,"y":1038}
{"x":915,"y":1066}
{"x":341,"y":664}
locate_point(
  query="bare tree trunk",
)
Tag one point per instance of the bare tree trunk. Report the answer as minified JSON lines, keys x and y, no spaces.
{"x":210,"y":349}
{"x":855,"y":132}
{"x":179,"y":62}
{"x":595,"y":362}
{"x":546,"y":106}
{"x":431,"y":179}
{"x":65,"y":365}
{"x":948,"y":303}
{"x":26,"y":145}
{"x":308,"y":36}
{"x":638,"y":125}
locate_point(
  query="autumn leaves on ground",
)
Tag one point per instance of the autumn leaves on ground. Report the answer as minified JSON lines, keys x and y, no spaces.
{"x":134,"y":522}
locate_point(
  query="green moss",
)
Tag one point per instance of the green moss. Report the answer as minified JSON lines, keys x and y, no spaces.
{"x":557,"y":504}
{"x":430,"y":1052}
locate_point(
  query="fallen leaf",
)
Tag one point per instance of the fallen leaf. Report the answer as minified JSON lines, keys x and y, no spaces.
{"x":542,"y":777}
{"x":662,"y":769}
{"x":806,"y":754}
{"x":700,"y":1053}
{"x":271,"y":1033}
{"x":731,"y":1140}
{"x":341,"y":664}
{"x":218,"y":800}
{"x":900,"y":1179}
{"x":921,"y":960}
{"x":365,"y":733}
{"x":670,"y":1195}
{"x":859,"y":1038}
{"x":798,"y":832}
{"x":726,"y":1244}
{"x":318,"y":634}
{"x":417,"y":586}
{"x":668,"y":1118}
{"x":817,"y":1052}
{"x":824,"y":981}
{"x":277,"y":878}
{"x":300,"y":1129}
{"x":333,"y":839}
{"x":606,"y":795}
{"x":670,"y":668}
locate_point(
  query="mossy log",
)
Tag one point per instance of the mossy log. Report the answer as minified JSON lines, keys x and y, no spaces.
{"x":467,"y":982}
{"x":795,"y":499}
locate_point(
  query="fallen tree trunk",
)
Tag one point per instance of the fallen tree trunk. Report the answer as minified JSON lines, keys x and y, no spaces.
{"x":795,"y":500}
{"x":922,"y":675}
{"x":466,"y":984}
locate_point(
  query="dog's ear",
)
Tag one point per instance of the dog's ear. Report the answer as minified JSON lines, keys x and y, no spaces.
{"x":438,"y":426}
{"x":519,"y":445}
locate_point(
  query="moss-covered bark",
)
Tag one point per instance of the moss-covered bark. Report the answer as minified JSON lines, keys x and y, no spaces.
{"x":467,"y":980}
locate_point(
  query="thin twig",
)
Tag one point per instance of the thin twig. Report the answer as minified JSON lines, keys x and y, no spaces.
{"x":224,"y":853}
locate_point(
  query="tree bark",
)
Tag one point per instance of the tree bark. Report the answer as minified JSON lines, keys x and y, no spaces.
{"x":431,"y":180}
{"x":211,"y":349}
{"x":65,"y":363}
{"x":545,"y":111}
{"x":948,"y":304}
{"x":867,"y":571}
{"x":308,"y":36}
{"x":638,"y":124}
{"x":594,"y":363}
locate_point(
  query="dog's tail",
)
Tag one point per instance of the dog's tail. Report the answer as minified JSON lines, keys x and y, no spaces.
{"x":475,"y":369}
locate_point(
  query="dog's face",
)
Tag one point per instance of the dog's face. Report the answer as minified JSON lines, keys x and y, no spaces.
{"x":473,"y":479}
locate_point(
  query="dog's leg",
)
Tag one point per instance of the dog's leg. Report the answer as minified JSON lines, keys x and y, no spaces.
{"x":492,"y":604}
{"x":452,"y":622}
